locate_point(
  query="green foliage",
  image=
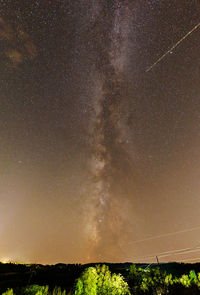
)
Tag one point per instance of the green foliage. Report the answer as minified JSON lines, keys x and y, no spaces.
{"x":147,"y":281}
{"x":169,"y":280}
{"x":36,"y":290}
{"x":99,"y":281}
{"x":153,"y":281}
{"x":87,"y":283}
{"x":8,"y":292}
{"x":42,"y":290}
{"x":191,"y":280}
{"x":185,"y":280}
{"x":58,"y":291}
{"x":192,"y":275}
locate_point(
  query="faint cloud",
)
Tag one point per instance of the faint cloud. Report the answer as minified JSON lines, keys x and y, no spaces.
{"x":6,"y":31}
{"x":31,"y":49}
{"x":14,"y":56}
{"x":16,"y":44}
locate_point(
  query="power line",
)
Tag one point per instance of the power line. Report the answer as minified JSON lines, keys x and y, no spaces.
{"x":178,"y":251}
{"x":179,"y":260}
{"x":172,"y":48}
{"x":164,"y":235}
{"x":172,"y":252}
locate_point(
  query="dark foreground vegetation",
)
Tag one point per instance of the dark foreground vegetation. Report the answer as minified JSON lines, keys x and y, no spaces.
{"x":101,"y":279}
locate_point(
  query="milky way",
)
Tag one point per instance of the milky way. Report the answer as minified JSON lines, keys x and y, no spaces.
{"x":109,"y":130}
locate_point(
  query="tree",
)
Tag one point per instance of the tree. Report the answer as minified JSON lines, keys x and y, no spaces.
{"x":99,"y":280}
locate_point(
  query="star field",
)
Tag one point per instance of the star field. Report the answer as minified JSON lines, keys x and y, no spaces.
{"x":96,"y":152}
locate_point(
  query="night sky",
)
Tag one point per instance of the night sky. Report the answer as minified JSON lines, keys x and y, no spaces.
{"x":99,"y":159}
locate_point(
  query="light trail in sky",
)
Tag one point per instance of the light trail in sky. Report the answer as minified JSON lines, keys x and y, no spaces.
{"x":172,"y":48}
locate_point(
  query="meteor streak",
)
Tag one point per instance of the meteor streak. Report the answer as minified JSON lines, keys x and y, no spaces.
{"x":172,"y":48}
